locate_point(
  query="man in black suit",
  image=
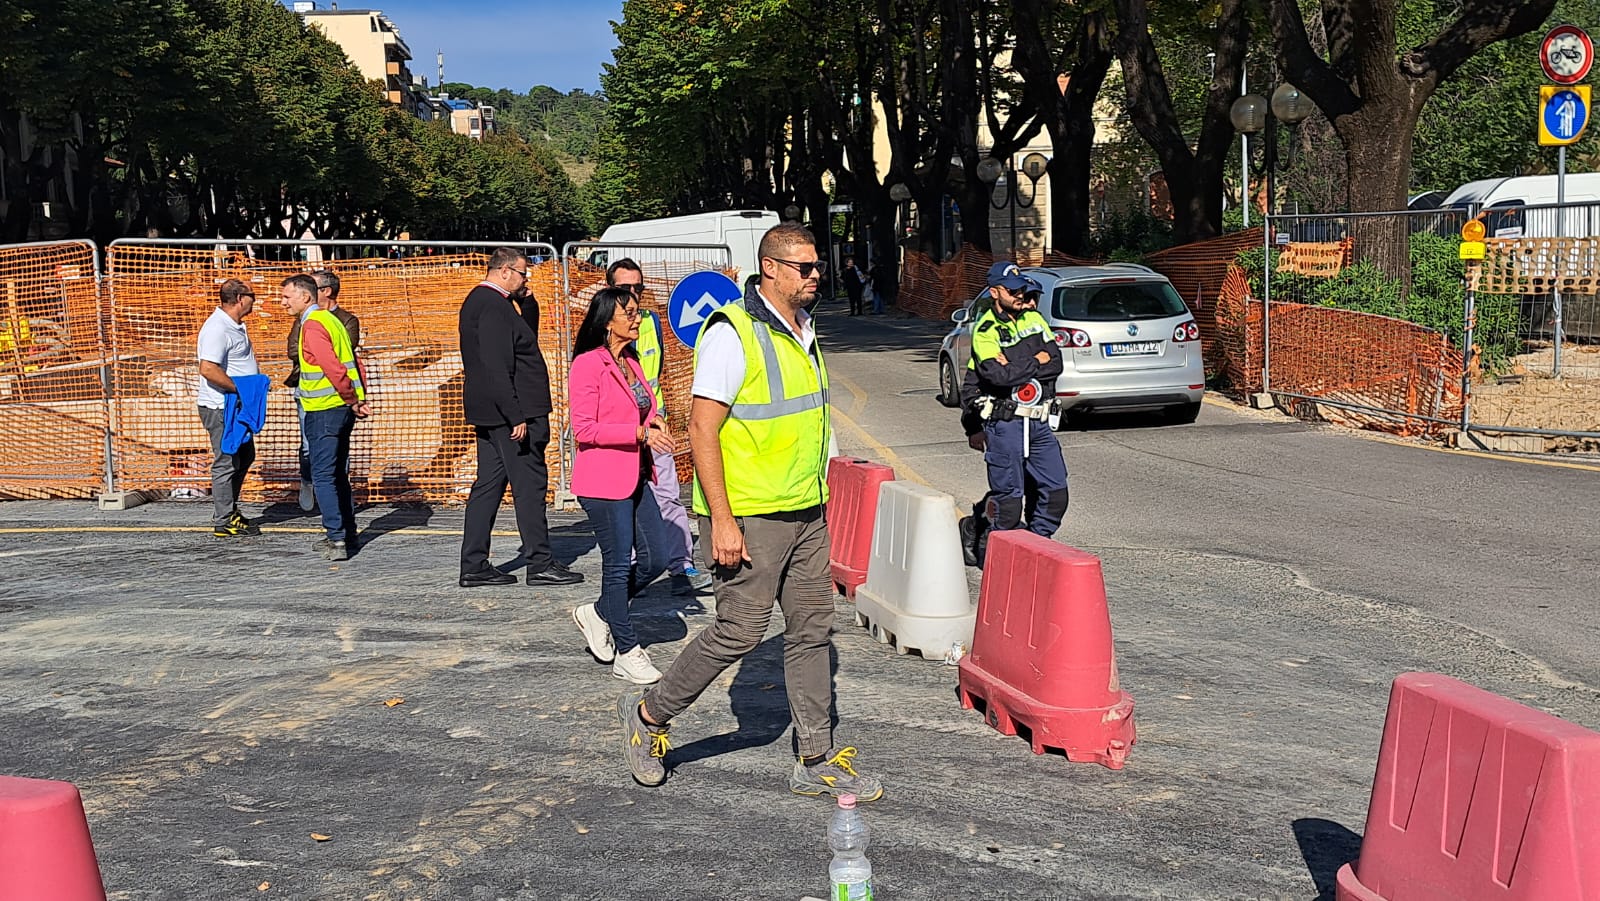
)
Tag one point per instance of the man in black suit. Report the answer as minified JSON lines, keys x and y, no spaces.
{"x":507,"y":399}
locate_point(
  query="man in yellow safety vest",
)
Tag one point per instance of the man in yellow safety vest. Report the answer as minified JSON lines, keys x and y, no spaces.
{"x":332,"y":393}
{"x":760,"y":430}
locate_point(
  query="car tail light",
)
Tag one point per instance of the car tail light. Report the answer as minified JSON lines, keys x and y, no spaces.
{"x":1072,"y":337}
{"x":1186,"y":331}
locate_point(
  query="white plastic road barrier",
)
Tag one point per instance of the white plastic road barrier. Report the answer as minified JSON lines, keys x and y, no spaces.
{"x":915,"y":596}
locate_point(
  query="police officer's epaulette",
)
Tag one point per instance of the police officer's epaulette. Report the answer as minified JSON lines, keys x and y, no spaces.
{"x":986,"y":325}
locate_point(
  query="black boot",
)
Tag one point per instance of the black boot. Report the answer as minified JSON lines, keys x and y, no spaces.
{"x":974,"y":532}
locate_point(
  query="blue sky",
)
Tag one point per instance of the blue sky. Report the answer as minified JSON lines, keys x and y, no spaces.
{"x":512,"y":44}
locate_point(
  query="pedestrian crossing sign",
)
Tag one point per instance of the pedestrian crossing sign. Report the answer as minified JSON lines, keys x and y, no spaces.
{"x":1563,"y":114}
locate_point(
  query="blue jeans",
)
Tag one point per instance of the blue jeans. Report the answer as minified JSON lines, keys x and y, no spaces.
{"x":1036,"y":483}
{"x":327,"y":438}
{"x":629,"y":528}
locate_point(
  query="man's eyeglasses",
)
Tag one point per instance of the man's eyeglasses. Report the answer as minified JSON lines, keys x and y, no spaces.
{"x":521,"y":272}
{"x":636,"y":288}
{"x":819,"y":267}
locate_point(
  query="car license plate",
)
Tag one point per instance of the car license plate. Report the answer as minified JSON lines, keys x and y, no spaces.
{"x":1133,"y":349}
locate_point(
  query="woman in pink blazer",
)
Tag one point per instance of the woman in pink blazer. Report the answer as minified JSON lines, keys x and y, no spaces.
{"x":614,"y":420}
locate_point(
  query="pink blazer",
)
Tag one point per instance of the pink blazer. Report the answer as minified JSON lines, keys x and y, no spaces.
{"x":605,"y":425}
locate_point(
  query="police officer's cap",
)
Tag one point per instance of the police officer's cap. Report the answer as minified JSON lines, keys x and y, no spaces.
{"x":1005,"y":274}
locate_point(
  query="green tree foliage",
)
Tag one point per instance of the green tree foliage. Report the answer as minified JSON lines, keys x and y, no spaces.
{"x":569,"y":123}
{"x":231,"y":117}
{"x":1482,"y":122}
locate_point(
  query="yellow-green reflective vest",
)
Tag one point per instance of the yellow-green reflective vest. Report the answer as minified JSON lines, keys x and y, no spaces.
{"x":775,"y":439}
{"x":992,"y":336}
{"x":315,"y":391}
{"x":650,"y":355}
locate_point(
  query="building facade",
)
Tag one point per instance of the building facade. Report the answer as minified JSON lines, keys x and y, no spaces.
{"x":373,"y":44}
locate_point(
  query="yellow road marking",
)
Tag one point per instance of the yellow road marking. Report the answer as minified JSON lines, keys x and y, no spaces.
{"x":858,"y":401}
{"x":1559,"y":464}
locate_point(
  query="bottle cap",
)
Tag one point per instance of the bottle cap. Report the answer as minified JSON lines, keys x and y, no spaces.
{"x":847,"y":802}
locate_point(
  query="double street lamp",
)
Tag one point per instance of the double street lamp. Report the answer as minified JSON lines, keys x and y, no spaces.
{"x":991,"y":170}
{"x":1253,"y":113}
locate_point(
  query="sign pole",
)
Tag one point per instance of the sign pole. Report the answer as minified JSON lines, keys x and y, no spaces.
{"x":1472,"y":252}
{"x":1561,"y":234}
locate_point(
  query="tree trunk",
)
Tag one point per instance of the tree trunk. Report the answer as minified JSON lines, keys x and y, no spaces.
{"x":1069,"y":170}
{"x":1378,"y":143}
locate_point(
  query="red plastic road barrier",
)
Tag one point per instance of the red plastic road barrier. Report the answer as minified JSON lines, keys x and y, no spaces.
{"x":1478,"y":797}
{"x":852,"y":507}
{"x":45,"y":851}
{"x":1042,"y":655}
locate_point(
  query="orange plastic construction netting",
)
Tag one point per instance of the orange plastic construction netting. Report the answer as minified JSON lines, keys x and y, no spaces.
{"x":1539,"y":266}
{"x":53,"y":412}
{"x":1197,"y":272}
{"x":1406,"y":374}
{"x":1316,"y":259}
{"x":415,"y":447}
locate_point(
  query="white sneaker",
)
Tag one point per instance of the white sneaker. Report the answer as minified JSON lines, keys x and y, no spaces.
{"x":595,"y":632}
{"x":635,"y":666}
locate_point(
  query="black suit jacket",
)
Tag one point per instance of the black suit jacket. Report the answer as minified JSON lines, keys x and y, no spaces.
{"x":506,"y":379}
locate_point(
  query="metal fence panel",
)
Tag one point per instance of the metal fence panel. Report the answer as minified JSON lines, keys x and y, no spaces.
{"x":1537,"y":326}
{"x":416,"y":447}
{"x":1549,"y":257}
{"x":1364,"y":317}
{"x":54,"y":421}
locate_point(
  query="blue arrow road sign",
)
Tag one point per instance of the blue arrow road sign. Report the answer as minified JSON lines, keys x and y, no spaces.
{"x":1565,"y":114}
{"x":696,"y":298}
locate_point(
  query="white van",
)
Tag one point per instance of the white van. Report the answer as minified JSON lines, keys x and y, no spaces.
{"x":1581,"y":219}
{"x":740,"y":230}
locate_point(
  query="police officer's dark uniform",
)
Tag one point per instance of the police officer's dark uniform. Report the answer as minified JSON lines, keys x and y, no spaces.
{"x":1006,"y":345}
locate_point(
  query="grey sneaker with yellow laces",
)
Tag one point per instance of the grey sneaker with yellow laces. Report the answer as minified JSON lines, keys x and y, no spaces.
{"x":644,"y":745}
{"x":834,"y":774}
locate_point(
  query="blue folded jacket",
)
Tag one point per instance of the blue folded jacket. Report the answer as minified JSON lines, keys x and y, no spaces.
{"x":244,"y":414}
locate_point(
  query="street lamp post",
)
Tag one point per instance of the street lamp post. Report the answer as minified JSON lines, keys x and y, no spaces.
{"x":1253,"y":113}
{"x":991,"y":170}
{"x":901,"y":195}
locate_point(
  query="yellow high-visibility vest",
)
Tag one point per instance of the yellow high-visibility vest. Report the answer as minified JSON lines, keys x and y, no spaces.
{"x":315,"y":391}
{"x":650,"y":355}
{"x":775,"y":439}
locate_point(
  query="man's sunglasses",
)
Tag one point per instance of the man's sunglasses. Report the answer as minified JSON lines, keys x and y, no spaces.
{"x":635,"y":288}
{"x":819,"y":267}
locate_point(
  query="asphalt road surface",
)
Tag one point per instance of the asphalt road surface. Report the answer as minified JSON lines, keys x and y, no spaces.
{"x":219,"y":702}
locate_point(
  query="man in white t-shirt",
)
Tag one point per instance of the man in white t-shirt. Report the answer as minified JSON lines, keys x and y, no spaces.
{"x":225,"y":352}
{"x":760,"y":429}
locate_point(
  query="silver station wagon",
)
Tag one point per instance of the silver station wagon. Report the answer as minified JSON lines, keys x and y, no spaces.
{"x":1126,"y":337}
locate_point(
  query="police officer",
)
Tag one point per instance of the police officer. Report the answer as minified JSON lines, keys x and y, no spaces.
{"x":1008,"y":406}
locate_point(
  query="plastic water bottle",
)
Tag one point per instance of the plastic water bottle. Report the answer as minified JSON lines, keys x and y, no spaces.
{"x":850,"y":873}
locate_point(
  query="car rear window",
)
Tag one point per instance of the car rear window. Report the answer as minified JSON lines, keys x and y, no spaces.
{"x":1117,"y":302}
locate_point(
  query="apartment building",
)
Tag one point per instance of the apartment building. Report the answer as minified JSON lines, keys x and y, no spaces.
{"x":475,"y":120}
{"x":373,"y":43}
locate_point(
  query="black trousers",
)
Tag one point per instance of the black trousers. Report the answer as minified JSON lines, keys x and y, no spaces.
{"x":520,"y":464}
